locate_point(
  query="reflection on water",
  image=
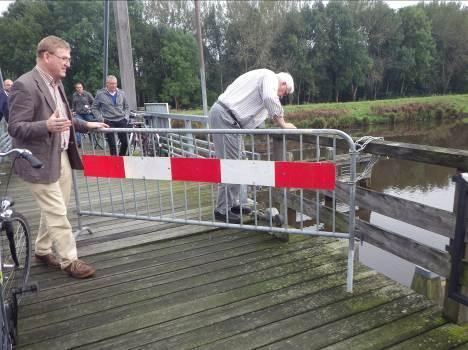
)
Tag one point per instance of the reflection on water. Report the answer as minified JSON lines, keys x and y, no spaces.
{"x":422,"y":183}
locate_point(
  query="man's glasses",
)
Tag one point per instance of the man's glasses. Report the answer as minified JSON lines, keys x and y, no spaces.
{"x":63,"y":58}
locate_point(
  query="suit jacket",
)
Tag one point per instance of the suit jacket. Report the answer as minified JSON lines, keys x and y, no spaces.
{"x":3,"y":105}
{"x":31,"y":104}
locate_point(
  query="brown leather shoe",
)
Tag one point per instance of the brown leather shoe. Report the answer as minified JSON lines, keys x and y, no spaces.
{"x":48,"y":259}
{"x":80,"y":269}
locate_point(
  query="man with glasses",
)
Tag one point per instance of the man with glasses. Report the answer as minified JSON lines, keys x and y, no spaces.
{"x":41,"y":121}
{"x":245,"y":104}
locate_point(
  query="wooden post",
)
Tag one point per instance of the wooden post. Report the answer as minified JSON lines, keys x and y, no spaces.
{"x":200,"y":56}
{"x":453,"y":310}
{"x":429,"y":284}
{"x":124,"y":47}
{"x":105,"y":64}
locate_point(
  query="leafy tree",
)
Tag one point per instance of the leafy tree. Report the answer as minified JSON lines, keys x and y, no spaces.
{"x":449,"y":28}
{"x":339,"y":50}
{"x":27,"y":22}
{"x":418,"y":47}
{"x":171,"y":14}
{"x":348,"y":53}
{"x":381,"y":26}
{"x":214,"y":32}
{"x":22,"y":27}
{"x":179,"y":60}
{"x":291,"y":51}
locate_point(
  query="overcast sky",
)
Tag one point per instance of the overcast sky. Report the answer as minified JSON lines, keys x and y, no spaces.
{"x":392,"y":3}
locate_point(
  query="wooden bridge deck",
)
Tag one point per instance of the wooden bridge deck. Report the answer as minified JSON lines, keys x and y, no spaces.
{"x":220,"y":289}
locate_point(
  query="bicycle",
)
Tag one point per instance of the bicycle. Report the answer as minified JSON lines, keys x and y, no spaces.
{"x":96,"y":139}
{"x":15,"y":258}
{"x":142,"y":144}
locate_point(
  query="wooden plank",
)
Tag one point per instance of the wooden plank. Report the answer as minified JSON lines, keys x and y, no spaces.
{"x":153,"y":258}
{"x":137,"y":303}
{"x":164,"y":313}
{"x":323,"y":291}
{"x":232,"y":329}
{"x":429,"y":218}
{"x":171,"y":271}
{"x":97,"y":327}
{"x":353,"y":325}
{"x":406,"y":248}
{"x":399,"y":245}
{"x":394,"y":332}
{"x":441,"y":338}
{"x":302,"y":320}
{"x":449,"y":157}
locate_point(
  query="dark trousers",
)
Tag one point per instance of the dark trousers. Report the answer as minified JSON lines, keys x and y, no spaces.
{"x":110,"y":137}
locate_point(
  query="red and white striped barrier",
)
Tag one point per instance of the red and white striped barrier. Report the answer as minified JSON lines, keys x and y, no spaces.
{"x":318,"y":175}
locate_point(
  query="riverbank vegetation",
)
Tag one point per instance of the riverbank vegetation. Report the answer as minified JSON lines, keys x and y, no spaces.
{"x":363,"y":113}
{"x":337,"y":51}
{"x":340,"y":115}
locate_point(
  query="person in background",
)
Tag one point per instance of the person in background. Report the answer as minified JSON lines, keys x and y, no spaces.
{"x":81,"y":106}
{"x":41,"y":121}
{"x":7,"y":84}
{"x":110,"y":105}
{"x":245,"y":104}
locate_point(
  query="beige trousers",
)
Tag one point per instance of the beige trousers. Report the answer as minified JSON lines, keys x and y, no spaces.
{"x":55,"y":230}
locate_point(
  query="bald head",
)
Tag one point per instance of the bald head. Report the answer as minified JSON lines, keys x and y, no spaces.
{"x":7,"y":84}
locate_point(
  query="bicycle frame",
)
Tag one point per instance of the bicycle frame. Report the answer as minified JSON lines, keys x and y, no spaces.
{"x":8,"y":308}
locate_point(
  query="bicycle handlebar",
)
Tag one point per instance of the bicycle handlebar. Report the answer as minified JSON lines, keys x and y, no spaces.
{"x":26,"y":154}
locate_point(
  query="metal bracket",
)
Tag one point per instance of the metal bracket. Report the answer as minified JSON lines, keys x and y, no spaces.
{"x":457,"y":250}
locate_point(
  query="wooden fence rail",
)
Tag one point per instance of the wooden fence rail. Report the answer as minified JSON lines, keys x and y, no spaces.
{"x":432,"y":219}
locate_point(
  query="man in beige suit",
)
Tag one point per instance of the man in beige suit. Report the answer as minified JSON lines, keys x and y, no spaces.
{"x":41,"y":121}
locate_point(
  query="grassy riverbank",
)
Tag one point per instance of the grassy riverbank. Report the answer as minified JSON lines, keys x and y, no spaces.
{"x":380,"y":111}
{"x":344,"y":114}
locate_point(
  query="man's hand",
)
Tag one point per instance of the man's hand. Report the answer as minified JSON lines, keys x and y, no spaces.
{"x":55,"y":123}
{"x":289,"y":126}
{"x":282,"y":124}
{"x":96,"y":125}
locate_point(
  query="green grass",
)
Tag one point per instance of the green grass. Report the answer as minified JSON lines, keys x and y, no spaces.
{"x":363,"y":110}
{"x":360,"y":110}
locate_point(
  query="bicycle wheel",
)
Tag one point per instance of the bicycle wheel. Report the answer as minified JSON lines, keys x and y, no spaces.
{"x":7,"y":335}
{"x":134,"y":148}
{"x":15,"y":245}
{"x":98,"y":140}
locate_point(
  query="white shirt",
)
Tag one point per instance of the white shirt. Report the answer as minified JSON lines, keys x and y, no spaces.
{"x":253,"y":97}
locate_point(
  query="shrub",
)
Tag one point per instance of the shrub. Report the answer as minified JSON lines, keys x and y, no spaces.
{"x":416,"y":111}
{"x":346,"y":121}
{"x":332,"y":123}
{"x":318,"y":123}
{"x":439,"y":113}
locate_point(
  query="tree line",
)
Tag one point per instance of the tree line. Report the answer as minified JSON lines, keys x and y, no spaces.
{"x":338,"y":51}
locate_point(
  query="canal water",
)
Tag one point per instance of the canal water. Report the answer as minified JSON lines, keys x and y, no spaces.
{"x":422,"y":183}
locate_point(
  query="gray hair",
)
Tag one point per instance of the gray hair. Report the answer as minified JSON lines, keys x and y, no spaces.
{"x":288,"y":79}
{"x":111,"y":77}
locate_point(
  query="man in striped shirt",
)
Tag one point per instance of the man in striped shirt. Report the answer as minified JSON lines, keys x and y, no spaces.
{"x":246,"y":104}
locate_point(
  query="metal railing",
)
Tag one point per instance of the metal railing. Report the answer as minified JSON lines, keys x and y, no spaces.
{"x":169,"y":188}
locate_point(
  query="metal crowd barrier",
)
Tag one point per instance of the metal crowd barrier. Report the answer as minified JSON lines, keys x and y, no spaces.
{"x":177,"y":181}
